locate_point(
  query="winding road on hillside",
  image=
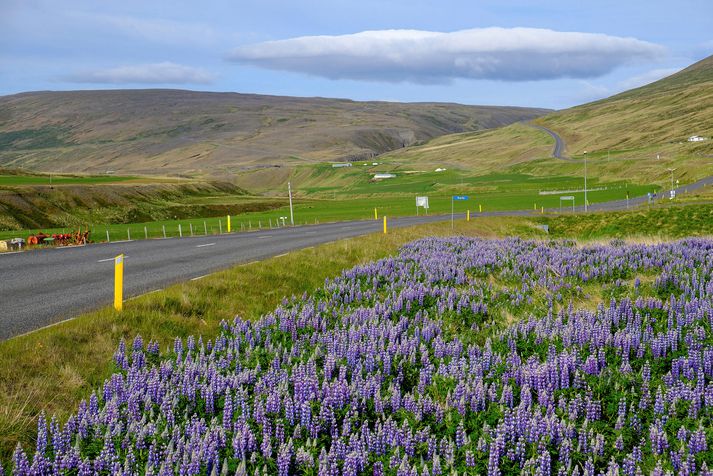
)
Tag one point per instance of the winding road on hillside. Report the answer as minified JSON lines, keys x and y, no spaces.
{"x":47,"y":286}
{"x":559,"y":147}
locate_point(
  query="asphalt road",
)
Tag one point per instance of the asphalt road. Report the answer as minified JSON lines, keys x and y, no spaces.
{"x":559,"y":146}
{"x":46,"y":286}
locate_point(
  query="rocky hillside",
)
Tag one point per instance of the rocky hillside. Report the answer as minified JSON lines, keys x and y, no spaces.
{"x":204,"y":133}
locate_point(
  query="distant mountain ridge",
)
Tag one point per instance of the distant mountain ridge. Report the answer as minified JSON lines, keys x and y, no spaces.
{"x":160,"y":131}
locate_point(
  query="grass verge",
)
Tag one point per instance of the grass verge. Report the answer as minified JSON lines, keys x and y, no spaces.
{"x":660,"y":222}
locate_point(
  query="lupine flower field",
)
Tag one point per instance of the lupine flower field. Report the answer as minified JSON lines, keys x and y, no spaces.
{"x":458,"y":356}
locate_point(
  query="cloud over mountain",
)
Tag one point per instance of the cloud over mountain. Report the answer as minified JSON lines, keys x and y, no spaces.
{"x":152,"y":73}
{"x":508,"y":54}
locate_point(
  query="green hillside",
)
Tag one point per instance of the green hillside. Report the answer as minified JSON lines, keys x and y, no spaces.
{"x":623,"y":136}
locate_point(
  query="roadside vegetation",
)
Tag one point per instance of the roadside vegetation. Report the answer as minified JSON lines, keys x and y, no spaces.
{"x":52,"y":369}
{"x":650,"y":224}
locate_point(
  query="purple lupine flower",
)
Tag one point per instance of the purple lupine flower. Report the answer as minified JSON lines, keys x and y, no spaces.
{"x":331,"y":369}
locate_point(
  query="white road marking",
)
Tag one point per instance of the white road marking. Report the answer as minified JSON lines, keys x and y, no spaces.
{"x":198,"y":277}
{"x":264,"y":236}
{"x":144,"y":294}
{"x":10,"y":253}
{"x":45,"y":327}
{"x":109,"y":259}
{"x":278,"y":256}
{"x":207,"y":244}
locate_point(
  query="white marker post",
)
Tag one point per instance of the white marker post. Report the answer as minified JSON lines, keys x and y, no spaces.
{"x":289,"y":191}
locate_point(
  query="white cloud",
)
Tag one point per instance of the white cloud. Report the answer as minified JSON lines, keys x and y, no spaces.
{"x":154,"y":73}
{"x":646,"y":78}
{"x":589,"y":91}
{"x":155,"y":30}
{"x":510,"y":54}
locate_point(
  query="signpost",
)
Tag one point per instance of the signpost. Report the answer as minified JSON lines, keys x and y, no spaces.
{"x":567,"y":198}
{"x":455,"y":198}
{"x":422,"y":202}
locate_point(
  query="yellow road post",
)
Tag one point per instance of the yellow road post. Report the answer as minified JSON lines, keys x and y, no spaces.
{"x":384,"y":225}
{"x":467,"y":216}
{"x":228,"y":223}
{"x":119,"y":282}
{"x":376,"y":214}
{"x":480,"y":208}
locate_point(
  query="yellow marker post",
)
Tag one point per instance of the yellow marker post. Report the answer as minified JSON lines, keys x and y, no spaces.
{"x":542,"y":210}
{"x":119,"y":282}
{"x":376,"y":214}
{"x":384,"y":225}
{"x":534,"y":206}
{"x":480,"y":208}
{"x":467,"y":216}
{"x":228,"y":223}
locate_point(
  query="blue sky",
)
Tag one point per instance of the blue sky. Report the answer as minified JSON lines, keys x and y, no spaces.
{"x":507,"y":52}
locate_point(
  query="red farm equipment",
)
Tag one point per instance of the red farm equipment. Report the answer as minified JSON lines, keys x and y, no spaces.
{"x":59,"y":239}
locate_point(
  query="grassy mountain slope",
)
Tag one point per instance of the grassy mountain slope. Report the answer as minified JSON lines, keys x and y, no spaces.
{"x":623,"y":135}
{"x":79,"y":204}
{"x":201,"y":133}
{"x":662,"y":113}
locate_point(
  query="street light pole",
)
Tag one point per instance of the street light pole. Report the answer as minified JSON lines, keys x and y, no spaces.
{"x":671,"y":192}
{"x":289,"y":191}
{"x":585,"y":181}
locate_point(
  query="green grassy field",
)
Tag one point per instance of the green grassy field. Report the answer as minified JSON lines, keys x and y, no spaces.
{"x":52,"y":369}
{"x":499,"y":192}
{"x":61,"y":179}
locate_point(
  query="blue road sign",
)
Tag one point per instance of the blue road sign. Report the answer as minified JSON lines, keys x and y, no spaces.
{"x":460,"y":197}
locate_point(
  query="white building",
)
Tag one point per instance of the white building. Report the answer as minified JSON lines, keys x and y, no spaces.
{"x":384,"y":176}
{"x":342,"y":164}
{"x":696,"y":139}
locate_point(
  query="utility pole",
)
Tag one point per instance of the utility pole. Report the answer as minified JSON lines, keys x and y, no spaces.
{"x":585,"y":181}
{"x":289,"y":191}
